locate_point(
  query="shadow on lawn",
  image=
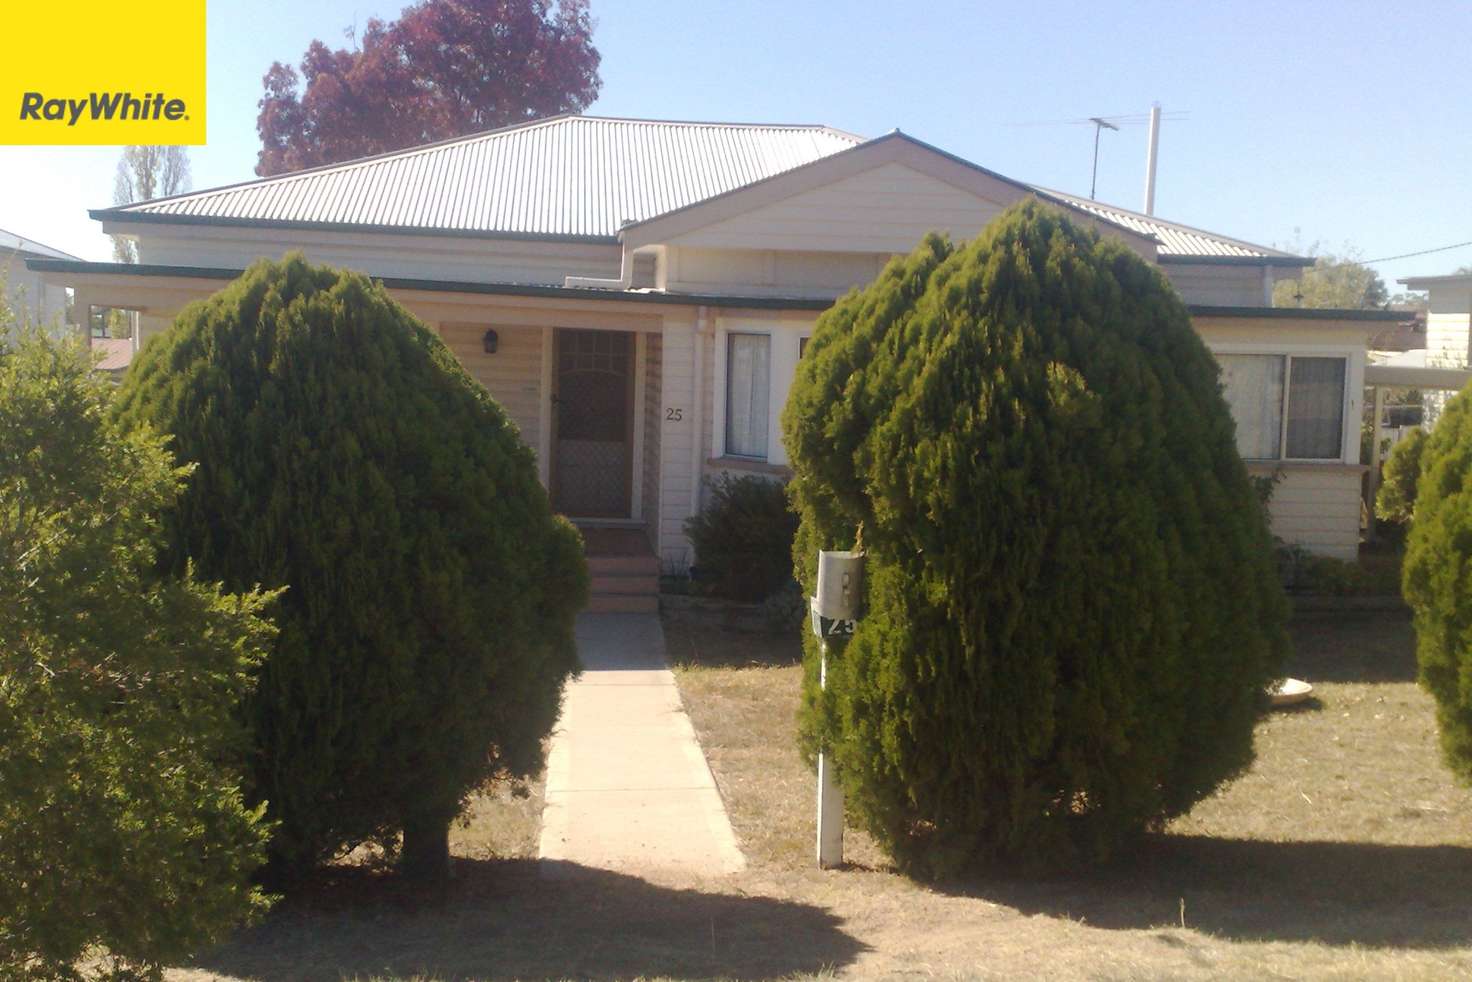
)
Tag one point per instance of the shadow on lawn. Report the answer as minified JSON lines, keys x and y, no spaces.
{"x":502,"y":919}
{"x":1353,"y":647}
{"x":1334,"y":893}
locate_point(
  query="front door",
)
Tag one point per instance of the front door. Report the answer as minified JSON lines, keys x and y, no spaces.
{"x":593,"y":410}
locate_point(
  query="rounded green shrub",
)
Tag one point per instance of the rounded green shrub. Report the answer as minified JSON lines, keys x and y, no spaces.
{"x":122,"y":823}
{"x":1437,"y":577}
{"x":341,"y":452}
{"x":1396,"y":498}
{"x":743,"y":537}
{"x":1072,"y":608}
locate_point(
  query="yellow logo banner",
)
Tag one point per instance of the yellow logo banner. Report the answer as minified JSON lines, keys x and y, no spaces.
{"x":100,"y":72}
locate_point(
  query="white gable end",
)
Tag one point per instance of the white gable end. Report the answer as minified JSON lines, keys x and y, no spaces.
{"x":886,"y":209}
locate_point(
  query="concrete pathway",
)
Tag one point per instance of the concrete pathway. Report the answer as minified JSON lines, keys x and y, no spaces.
{"x":628,"y":788}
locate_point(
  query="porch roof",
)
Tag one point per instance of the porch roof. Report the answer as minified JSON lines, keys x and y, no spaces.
{"x":145,"y":270}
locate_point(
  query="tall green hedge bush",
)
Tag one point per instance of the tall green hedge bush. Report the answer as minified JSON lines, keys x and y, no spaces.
{"x":122,"y":823}
{"x":1437,"y":577}
{"x":341,"y":452}
{"x":1396,"y":498}
{"x":1072,"y":608}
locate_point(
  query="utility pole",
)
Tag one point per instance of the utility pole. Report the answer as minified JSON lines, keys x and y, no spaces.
{"x":1100,"y":124}
{"x":1150,"y":157}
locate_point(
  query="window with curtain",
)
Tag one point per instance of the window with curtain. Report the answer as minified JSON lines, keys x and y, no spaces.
{"x":1253,"y":385}
{"x":748,"y":384}
{"x":1285,"y":406}
{"x":1315,"y":408}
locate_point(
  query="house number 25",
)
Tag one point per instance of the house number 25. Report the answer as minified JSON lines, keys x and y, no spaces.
{"x":674,"y":415}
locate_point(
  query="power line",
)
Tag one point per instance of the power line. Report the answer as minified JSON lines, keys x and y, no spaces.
{"x":1422,"y":252}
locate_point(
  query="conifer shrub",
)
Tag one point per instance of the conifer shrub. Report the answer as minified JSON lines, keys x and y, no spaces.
{"x":1396,"y":498}
{"x":1434,"y":577}
{"x":743,"y":537}
{"x":125,"y":840}
{"x":342,"y":453}
{"x":1072,"y":606}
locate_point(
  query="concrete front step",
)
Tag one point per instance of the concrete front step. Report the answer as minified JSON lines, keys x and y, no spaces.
{"x":627,"y":603}
{"x":636,"y":565}
{"x":622,"y":584}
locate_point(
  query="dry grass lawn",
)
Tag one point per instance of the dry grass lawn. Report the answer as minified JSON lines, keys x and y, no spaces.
{"x":1346,"y":854}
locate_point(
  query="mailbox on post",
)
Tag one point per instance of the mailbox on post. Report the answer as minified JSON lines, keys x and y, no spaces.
{"x":835,"y":613}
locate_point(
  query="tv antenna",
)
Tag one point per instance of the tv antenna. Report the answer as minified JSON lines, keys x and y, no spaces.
{"x":1100,"y":124}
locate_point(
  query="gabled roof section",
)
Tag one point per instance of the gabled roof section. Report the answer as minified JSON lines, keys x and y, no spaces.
{"x":566,"y":177}
{"x":10,"y":242}
{"x":893,"y":147}
{"x":1178,"y":242}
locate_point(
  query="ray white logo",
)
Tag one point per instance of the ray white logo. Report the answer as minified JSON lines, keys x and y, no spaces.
{"x":99,"y":106}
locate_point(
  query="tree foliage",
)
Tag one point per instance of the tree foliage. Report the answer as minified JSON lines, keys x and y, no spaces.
{"x":1072,"y":608}
{"x":145,"y":173}
{"x":1396,"y":498}
{"x":122,"y":823}
{"x":1435,"y":577}
{"x":1340,"y":282}
{"x":443,"y":69}
{"x":426,"y":631}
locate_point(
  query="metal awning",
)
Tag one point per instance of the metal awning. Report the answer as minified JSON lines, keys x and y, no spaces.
{"x":1417,"y":377}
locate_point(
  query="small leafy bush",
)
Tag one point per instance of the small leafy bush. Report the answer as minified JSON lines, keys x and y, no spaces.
{"x":743,"y":537}
{"x":1395,"y":501}
{"x":1435,"y":577}
{"x":122,"y":822}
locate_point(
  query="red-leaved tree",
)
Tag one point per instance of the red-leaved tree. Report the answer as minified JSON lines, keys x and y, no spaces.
{"x":443,"y":69}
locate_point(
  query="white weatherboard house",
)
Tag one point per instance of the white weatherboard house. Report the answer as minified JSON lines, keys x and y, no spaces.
{"x":636,"y":294}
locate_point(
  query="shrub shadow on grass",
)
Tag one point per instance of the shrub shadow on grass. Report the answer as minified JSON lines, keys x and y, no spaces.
{"x":692,"y":645}
{"x":1333,"y":893}
{"x":1353,"y":647}
{"x":511,"y":919}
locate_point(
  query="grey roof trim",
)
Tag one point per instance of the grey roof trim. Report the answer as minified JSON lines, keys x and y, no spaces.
{"x":633,"y":296}
{"x":1296,"y":262}
{"x":452,"y":286}
{"x":163,"y":218}
{"x":1298,"y":313}
{"x":1447,"y":279}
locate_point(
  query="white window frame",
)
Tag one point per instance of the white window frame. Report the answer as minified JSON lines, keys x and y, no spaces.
{"x":1354,"y":381}
{"x":784,"y":339}
{"x":723,"y":353}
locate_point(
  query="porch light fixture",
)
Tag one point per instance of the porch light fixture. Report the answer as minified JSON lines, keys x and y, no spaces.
{"x":489,"y":341}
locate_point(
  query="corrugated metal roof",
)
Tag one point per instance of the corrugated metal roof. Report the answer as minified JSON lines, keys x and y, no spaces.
{"x":1175,"y":239}
{"x":574,"y":177}
{"x":10,"y":242}
{"x":565,"y":176}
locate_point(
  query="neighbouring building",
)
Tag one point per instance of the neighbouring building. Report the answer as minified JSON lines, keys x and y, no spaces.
{"x":636,"y":293}
{"x":1448,"y":329}
{"x":26,"y":290}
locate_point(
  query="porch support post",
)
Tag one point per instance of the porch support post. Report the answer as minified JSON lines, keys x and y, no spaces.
{"x":544,"y":423}
{"x":1376,"y":432}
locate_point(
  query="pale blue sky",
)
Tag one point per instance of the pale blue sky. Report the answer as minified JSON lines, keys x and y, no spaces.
{"x":1344,"y":123}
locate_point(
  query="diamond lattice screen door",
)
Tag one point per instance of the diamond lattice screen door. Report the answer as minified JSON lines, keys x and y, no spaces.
{"x":593,"y":411}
